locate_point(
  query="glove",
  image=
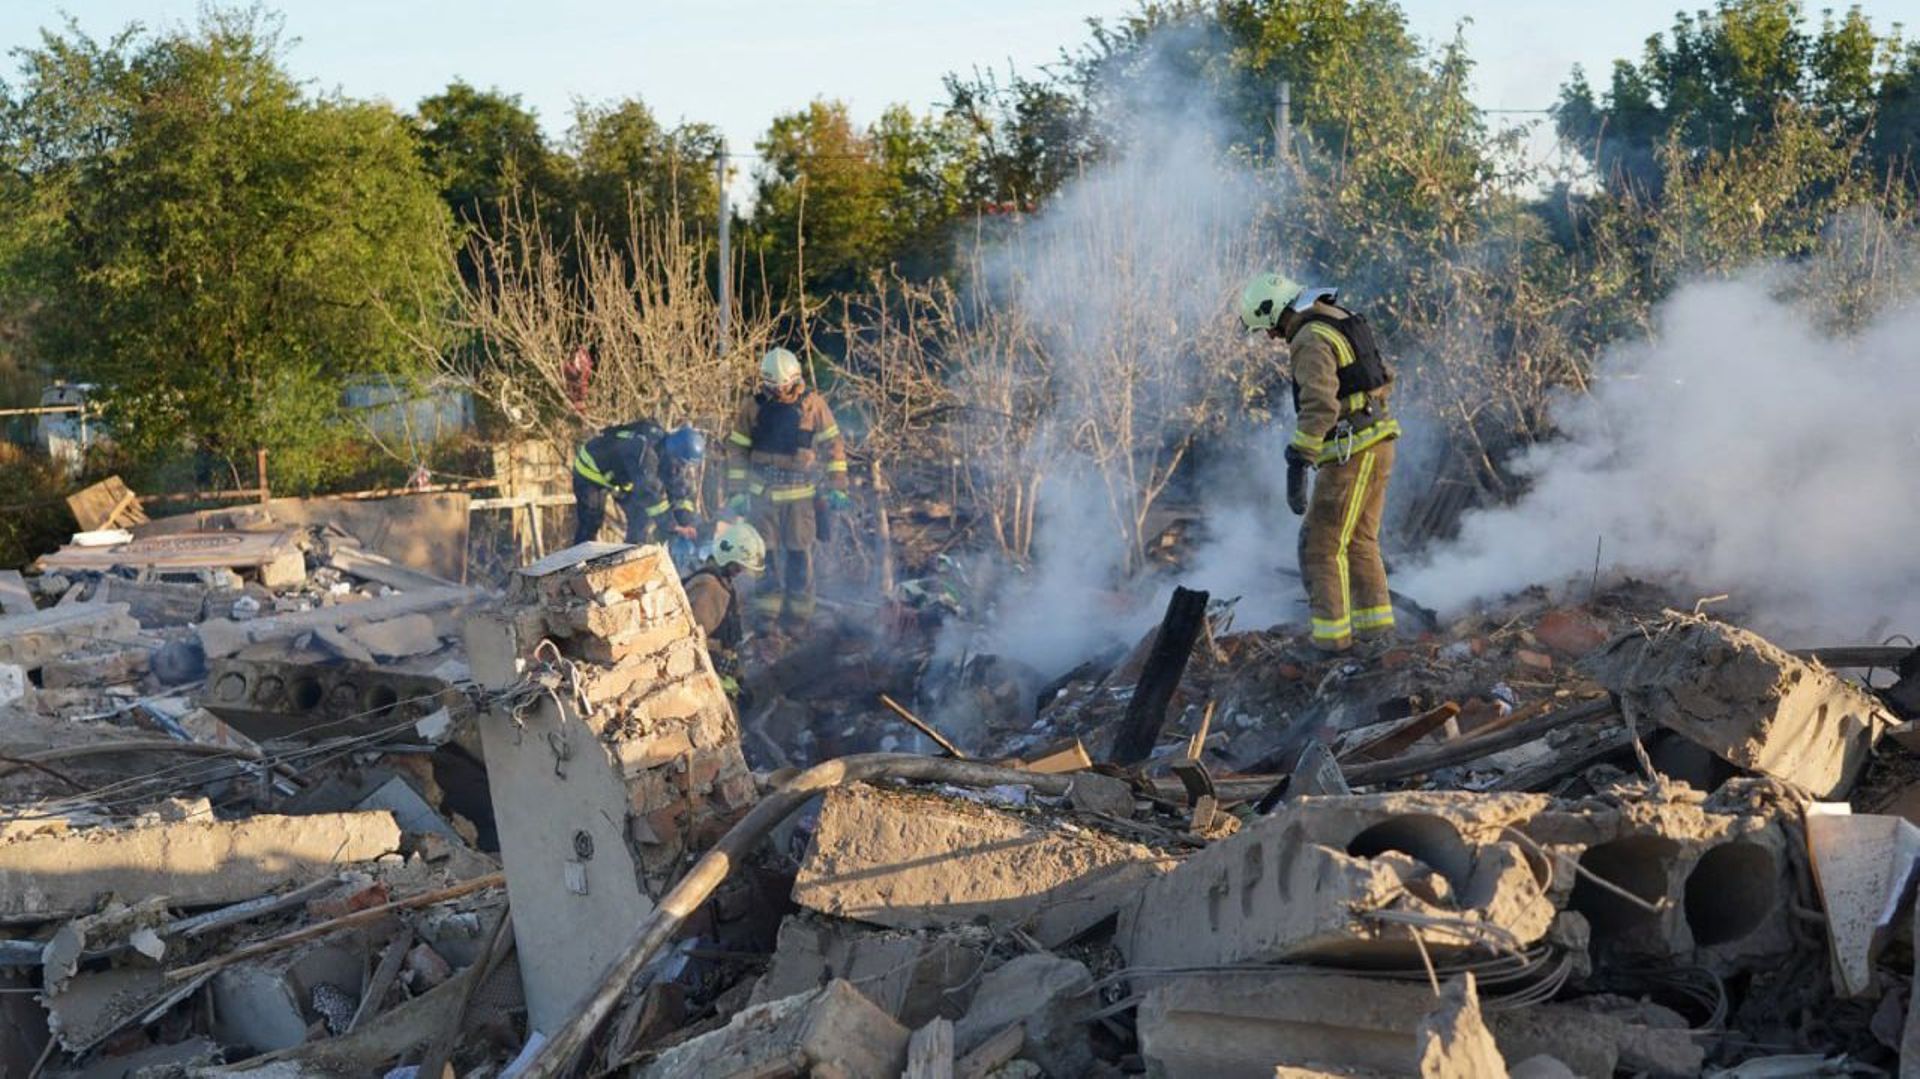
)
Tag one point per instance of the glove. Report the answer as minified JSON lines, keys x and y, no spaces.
{"x":739,"y":503}
{"x":839,"y":501}
{"x":1296,"y":486}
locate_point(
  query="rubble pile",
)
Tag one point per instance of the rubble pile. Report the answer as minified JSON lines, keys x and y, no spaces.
{"x":374,"y":822}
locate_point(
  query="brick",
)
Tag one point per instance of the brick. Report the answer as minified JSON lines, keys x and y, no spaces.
{"x":1571,"y":632}
{"x":653,"y":751}
{"x":704,"y":768}
{"x":1538,"y":661}
{"x":738,"y":791}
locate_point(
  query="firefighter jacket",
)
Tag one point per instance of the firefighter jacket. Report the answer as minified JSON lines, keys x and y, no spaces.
{"x":627,"y":460}
{"x":1330,"y":427}
{"x":781,"y":449}
{"x":716,"y":610}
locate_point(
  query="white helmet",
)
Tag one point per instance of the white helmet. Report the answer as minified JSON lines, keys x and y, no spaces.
{"x":739,"y":543}
{"x":779,"y":369}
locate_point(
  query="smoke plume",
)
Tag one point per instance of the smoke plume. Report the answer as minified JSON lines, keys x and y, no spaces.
{"x":1745,"y":448}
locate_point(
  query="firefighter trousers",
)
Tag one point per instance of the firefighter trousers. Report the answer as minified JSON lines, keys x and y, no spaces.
{"x":1340,"y":556}
{"x":789,"y":528}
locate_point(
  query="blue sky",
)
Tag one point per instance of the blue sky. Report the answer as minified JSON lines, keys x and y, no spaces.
{"x":737,"y":63}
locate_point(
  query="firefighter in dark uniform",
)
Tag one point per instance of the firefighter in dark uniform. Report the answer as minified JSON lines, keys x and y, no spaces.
{"x":784,"y":447}
{"x":649,"y":471}
{"x":1345,"y":435}
{"x":715,"y":597}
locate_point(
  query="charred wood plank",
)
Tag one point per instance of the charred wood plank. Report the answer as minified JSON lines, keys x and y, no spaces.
{"x":1167,"y":662}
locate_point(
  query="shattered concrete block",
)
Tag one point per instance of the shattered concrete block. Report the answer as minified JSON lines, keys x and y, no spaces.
{"x":274,"y":699}
{"x":1750,"y":703}
{"x":31,"y":640}
{"x":90,"y":1007}
{"x":1049,"y":994}
{"x":918,"y":861}
{"x":1222,"y":1026}
{"x":222,"y":637}
{"x":1453,"y":1042}
{"x":194,"y":863}
{"x":396,"y":638}
{"x":599,"y":810}
{"x":831,"y":1032}
{"x":268,"y":1004}
{"x":1713,"y":880}
{"x":103,"y":663}
{"x":914,"y":977}
{"x":1337,"y":879}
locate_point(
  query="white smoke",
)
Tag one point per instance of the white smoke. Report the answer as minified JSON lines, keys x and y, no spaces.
{"x":1125,"y":269}
{"x":1744,"y":448}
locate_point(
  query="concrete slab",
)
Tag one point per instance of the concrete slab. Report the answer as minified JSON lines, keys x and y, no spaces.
{"x":195,"y":863}
{"x":30,"y":640}
{"x":918,"y":861}
{"x":1219,"y":1026}
{"x":221,"y":637}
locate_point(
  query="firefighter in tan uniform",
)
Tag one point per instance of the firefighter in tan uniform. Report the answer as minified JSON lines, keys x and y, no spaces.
{"x":1344,"y":432}
{"x":785,"y":446}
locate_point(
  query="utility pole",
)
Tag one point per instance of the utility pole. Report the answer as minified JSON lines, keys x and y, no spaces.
{"x":726,"y":246}
{"x":1283,"y":123}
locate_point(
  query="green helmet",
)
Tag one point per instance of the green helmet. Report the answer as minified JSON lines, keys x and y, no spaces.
{"x":1265,"y":297}
{"x":737,"y":543}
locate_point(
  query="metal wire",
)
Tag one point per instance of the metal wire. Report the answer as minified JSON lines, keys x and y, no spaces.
{"x":197,"y":773}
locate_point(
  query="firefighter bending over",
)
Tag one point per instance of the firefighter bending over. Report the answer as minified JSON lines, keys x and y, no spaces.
{"x":715,"y":598}
{"x":785,"y":445}
{"x":647,"y":470}
{"x":1343,"y":431}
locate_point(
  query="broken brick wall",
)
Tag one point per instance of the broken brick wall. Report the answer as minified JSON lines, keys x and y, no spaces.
{"x":612,"y":753}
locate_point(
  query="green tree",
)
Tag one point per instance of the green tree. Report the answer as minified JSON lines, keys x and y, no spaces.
{"x":820,"y":215}
{"x":219,"y":250}
{"x":484,"y":147}
{"x":625,"y":159}
{"x":1721,"y":79}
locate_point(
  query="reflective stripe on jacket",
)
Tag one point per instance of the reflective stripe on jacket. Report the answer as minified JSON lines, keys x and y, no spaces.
{"x":1328,"y":427}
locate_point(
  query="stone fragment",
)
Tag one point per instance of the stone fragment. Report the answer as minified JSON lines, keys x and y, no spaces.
{"x":1749,"y":702}
{"x":919,"y":861}
{"x":194,"y":863}
{"x":1453,"y":1042}
{"x":914,"y":977}
{"x":1862,"y":864}
{"x":104,"y":663}
{"x":833,"y":1031}
{"x":1049,"y":995}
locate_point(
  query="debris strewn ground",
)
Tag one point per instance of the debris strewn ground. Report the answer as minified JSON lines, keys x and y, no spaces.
{"x":338,"y":815}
